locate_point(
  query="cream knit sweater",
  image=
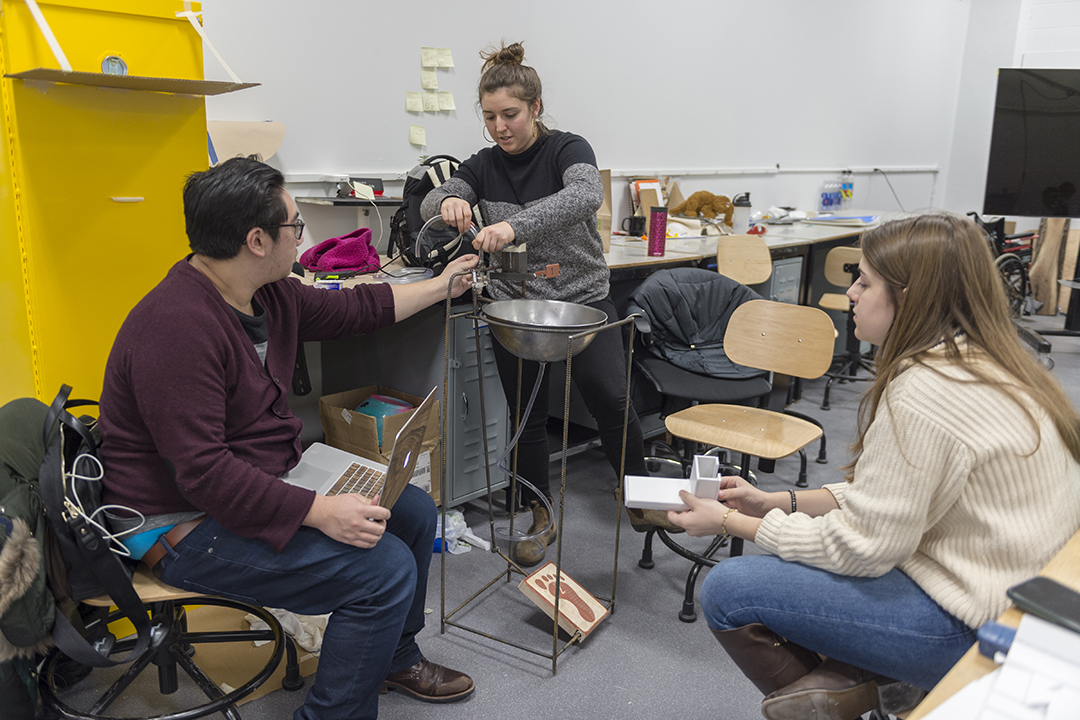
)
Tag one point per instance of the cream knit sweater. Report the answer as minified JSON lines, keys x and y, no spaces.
{"x":951,"y":490}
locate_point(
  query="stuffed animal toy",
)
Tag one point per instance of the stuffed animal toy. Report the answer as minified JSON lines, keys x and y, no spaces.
{"x":706,"y":204}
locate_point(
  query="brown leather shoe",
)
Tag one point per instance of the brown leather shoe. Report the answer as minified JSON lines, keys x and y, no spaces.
{"x":832,"y":691}
{"x":645,"y":520}
{"x":530,"y":552}
{"x":431,"y":682}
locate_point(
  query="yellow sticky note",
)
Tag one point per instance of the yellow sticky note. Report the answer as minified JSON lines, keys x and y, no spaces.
{"x":445,"y":57}
{"x":417,"y":135}
{"x":429,"y":57}
{"x":431,"y":102}
{"x":413,"y":102}
{"x":429,"y":80}
{"x":446,"y":100}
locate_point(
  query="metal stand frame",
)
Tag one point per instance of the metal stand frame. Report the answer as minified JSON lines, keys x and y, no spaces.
{"x":511,"y":567}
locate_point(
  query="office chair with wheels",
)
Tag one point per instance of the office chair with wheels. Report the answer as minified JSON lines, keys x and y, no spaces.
{"x":748,"y":260}
{"x":172,"y":646}
{"x":787,"y":340}
{"x":683,"y":317}
{"x":842,"y":269}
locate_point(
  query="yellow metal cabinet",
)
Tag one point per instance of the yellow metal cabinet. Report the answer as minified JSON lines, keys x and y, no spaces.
{"x":91,"y":215}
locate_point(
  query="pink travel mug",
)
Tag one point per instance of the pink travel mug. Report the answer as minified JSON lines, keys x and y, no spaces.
{"x":657,"y":231}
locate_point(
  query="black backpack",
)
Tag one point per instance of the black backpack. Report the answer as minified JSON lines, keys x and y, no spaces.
{"x":83,"y":564}
{"x":439,"y":245}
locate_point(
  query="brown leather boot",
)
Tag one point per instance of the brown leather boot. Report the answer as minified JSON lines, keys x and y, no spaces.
{"x":530,"y":552}
{"x":766,"y":659}
{"x":832,"y":691}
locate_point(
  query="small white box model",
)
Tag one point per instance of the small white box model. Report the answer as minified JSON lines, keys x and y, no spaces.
{"x":660,"y":493}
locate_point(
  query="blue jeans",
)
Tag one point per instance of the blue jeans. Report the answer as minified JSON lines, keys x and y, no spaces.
{"x":376,"y":596}
{"x":886,"y":625}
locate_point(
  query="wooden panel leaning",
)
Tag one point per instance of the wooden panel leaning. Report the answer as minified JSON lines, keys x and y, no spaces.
{"x":744,"y":258}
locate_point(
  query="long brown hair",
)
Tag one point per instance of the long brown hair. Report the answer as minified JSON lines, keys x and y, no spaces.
{"x":504,"y":68}
{"x":941,"y":280}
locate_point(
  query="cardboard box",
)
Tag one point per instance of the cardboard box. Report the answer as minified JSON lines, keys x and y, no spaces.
{"x":357,"y":433}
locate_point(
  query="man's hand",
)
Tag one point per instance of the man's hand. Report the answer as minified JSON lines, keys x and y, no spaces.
{"x":351,"y":519}
{"x":462,"y":282}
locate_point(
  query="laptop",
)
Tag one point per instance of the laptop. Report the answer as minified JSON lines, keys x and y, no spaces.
{"x":330,"y":471}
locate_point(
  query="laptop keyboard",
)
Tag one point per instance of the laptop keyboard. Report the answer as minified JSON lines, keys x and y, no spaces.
{"x":359,"y":479}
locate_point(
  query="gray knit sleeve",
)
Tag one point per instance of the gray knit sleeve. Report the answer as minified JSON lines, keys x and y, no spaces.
{"x":454,"y":187}
{"x":576,"y":203}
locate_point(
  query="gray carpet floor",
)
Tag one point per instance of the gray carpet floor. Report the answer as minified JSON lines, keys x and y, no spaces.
{"x":642,"y":661}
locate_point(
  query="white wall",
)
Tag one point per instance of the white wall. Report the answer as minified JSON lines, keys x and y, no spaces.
{"x":772,"y":96}
{"x":991,"y":37}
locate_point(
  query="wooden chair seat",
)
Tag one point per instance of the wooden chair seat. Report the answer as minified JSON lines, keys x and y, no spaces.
{"x":149,"y":588}
{"x":753,"y":431}
{"x":835,"y":301}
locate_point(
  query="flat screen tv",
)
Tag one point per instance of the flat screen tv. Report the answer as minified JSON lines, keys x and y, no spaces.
{"x":1034,"y":168}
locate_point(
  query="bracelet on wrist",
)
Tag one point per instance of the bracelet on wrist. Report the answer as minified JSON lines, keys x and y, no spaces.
{"x":792,"y":501}
{"x":723,"y":524}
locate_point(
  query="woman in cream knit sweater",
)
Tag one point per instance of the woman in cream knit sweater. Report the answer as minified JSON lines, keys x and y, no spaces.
{"x":965,"y":481}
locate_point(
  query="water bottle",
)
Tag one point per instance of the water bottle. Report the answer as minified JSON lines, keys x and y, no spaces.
{"x":657,"y":231}
{"x":740,"y":219}
{"x":847,"y":184}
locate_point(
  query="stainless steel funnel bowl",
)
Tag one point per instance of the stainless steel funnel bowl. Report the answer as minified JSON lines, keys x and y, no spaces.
{"x":538,"y":329}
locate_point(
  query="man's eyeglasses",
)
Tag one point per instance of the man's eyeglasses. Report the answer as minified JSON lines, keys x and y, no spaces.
{"x":298,"y":228}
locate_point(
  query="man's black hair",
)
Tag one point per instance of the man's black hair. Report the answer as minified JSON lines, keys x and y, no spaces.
{"x":222,"y":204}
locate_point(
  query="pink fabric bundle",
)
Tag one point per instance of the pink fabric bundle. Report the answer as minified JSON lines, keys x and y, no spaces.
{"x":348,"y":252}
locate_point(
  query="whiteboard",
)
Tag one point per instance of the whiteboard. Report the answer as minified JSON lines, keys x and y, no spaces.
{"x":692,"y":87}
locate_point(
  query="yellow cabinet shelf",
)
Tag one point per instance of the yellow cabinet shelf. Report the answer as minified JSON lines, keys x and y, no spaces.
{"x":91,"y":176}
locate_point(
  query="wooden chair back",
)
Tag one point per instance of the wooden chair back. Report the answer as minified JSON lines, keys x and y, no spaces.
{"x":794,"y":340}
{"x":835,"y":261}
{"x":744,"y":258}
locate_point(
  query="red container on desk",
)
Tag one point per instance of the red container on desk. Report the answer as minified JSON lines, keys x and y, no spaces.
{"x":657,"y":231}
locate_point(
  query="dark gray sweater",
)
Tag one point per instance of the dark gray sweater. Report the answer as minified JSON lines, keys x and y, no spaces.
{"x":549,"y":194}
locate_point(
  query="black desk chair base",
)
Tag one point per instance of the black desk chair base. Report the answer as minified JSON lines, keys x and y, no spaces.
{"x":688,"y":612}
{"x":172,"y":647}
{"x":848,"y":372}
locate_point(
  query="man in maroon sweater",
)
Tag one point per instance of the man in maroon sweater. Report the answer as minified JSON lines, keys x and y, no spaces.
{"x":198,"y":430}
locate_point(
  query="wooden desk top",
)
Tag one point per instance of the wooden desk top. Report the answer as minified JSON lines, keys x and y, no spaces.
{"x":629,"y":252}
{"x":1065,"y":568}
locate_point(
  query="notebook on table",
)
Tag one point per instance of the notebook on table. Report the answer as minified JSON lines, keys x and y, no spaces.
{"x":330,"y":471}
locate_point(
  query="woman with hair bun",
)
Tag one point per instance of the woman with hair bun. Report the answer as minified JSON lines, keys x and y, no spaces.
{"x":542,"y":187}
{"x":965,"y":481}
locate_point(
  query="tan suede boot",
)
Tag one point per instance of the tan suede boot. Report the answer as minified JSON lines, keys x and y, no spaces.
{"x":530,"y":552}
{"x":766,"y":659}
{"x":832,"y":691}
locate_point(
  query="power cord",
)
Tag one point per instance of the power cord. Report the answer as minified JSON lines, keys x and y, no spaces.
{"x":75,"y":504}
{"x":879,"y":170}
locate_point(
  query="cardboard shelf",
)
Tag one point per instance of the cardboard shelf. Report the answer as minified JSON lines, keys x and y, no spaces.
{"x":132,"y":82}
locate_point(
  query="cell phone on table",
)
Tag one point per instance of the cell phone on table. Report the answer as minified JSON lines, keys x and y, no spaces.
{"x":1049,"y":600}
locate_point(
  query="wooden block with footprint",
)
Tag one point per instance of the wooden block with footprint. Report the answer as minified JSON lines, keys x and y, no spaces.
{"x":578,"y":609}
